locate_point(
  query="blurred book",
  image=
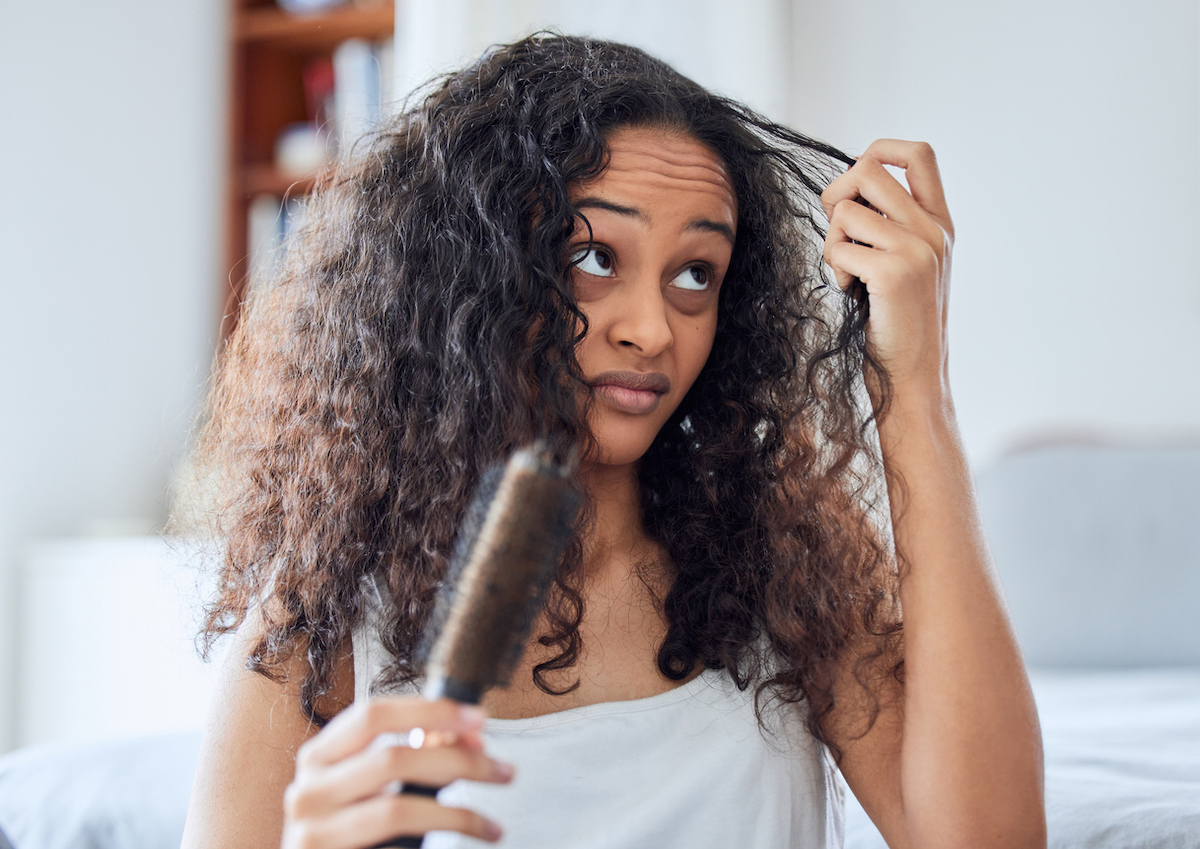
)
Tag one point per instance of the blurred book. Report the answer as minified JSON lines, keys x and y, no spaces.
{"x":271,"y":223}
{"x":264,"y":233}
{"x":385,"y":55}
{"x":318,"y":77}
{"x":346,"y":97}
{"x":356,"y":91}
{"x":309,"y":7}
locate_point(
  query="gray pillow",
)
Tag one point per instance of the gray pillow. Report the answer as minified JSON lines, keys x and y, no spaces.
{"x":1098,"y":552}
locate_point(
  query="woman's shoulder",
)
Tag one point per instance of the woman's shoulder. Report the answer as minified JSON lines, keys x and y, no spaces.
{"x":279,"y":690}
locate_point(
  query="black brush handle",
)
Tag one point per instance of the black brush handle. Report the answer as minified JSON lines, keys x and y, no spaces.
{"x":438,"y":688}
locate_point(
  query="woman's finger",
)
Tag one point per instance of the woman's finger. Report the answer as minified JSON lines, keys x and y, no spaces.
{"x":854,"y":222}
{"x":876,"y":241}
{"x":368,"y":773}
{"x":852,"y":262}
{"x":467,"y":739}
{"x":920,"y":170}
{"x":869,"y":180}
{"x":383,"y":818}
{"x":357,"y":727}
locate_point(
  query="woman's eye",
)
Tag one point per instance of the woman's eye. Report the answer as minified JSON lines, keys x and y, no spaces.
{"x":695,"y":278}
{"x":593,"y":261}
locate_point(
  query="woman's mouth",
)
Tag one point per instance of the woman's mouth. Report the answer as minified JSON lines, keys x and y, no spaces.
{"x":630,"y":391}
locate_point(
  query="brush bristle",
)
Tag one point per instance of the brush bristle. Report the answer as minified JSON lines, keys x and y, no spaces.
{"x":512,"y":537}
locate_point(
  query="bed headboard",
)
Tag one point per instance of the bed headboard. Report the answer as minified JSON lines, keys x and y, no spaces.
{"x":1098,"y":550}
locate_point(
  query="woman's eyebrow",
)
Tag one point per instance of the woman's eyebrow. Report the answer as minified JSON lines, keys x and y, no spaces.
{"x":591,"y":202}
{"x":705,"y":225}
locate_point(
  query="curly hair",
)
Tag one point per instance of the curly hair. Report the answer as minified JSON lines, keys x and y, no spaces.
{"x":423,"y":326}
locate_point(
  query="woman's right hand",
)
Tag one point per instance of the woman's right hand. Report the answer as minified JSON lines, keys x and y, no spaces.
{"x":340,"y":797}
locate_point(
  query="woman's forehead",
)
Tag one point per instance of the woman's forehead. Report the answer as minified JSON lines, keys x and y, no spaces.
{"x":648,"y":162}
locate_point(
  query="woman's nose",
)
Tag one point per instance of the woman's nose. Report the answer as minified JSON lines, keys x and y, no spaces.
{"x":641,"y":320}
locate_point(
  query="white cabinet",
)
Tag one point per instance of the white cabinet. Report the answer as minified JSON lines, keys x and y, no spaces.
{"x":106,"y":640}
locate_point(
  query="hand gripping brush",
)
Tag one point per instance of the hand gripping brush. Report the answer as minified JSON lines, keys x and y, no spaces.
{"x":511,"y":539}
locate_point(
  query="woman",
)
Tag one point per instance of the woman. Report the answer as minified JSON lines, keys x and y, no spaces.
{"x":569,"y":239}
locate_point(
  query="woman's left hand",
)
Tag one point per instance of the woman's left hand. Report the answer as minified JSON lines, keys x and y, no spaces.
{"x":899,"y":247}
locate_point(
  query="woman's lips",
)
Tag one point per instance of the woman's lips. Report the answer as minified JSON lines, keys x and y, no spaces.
{"x":631,"y":391}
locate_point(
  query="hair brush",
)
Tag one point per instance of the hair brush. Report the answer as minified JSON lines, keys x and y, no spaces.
{"x":511,"y":539}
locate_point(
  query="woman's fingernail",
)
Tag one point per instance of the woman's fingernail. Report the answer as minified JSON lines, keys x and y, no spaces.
{"x":472,"y":714}
{"x":492,"y":831}
{"x":503,"y":771}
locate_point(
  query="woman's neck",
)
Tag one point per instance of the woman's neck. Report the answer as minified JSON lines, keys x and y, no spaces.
{"x":624,"y":581}
{"x":617,"y":540}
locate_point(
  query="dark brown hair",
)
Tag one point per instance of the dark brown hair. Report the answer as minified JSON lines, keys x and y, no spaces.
{"x":423,"y":327}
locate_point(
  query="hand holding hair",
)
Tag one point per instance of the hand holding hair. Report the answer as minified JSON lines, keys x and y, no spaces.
{"x":899,"y":247}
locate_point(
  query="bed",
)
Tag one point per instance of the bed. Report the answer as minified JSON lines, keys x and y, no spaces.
{"x":1098,"y":549}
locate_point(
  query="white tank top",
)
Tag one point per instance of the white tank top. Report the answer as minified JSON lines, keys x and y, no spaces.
{"x":686,"y":768}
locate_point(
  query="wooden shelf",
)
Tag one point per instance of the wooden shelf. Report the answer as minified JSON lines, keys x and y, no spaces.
{"x":266,"y":179}
{"x":269,"y":51}
{"x":286,"y":30}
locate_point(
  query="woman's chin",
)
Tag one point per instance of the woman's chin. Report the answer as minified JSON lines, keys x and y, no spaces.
{"x":616,"y":453}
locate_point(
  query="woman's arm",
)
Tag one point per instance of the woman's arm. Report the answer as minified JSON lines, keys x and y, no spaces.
{"x":266,"y":777}
{"x":248,"y":757}
{"x":955,"y":757}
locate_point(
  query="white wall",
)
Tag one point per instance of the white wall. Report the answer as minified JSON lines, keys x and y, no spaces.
{"x":112,"y":142}
{"x":737,"y":48}
{"x":1068,"y":138}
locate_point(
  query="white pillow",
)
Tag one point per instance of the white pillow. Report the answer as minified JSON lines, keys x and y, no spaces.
{"x":129,"y":794}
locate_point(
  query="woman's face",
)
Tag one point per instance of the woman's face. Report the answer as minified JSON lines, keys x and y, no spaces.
{"x":663,"y":218}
